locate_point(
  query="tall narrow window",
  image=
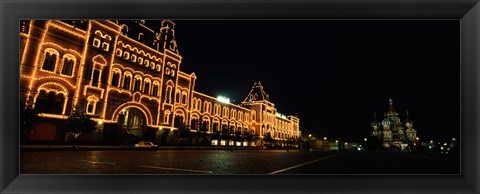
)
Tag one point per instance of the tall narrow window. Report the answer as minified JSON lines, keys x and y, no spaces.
{"x":146,"y":88}
{"x":115,"y":79}
{"x":126,"y":82}
{"x":136,"y":86}
{"x":49,"y":63}
{"x":155,"y":89}
{"x":67,"y":66}
{"x":95,"y":77}
{"x":184,"y":98}
{"x":168,"y":94}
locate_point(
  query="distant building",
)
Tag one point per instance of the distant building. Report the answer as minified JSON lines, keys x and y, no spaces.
{"x":391,"y":131}
{"x":127,"y":76}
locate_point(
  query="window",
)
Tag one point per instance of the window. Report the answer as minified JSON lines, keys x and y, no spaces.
{"x":146,"y":62}
{"x":146,"y":88}
{"x":105,"y":46}
{"x":136,"y":85}
{"x":95,"y":77}
{"x":50,"y":102}
{"x":184,"y":98}
{"x":67,"y":66}
{"x":126,"y":55}
{"x":159,"y":68}
{"x":140,"y":60}
{"x":177,"y":97}
{"x":155,"y":89}
{"x":91,"y":104}
{"x":119,"y":52}
{"x":115,"y":79}
{"x":134,"y":58}
{"x":169,"y":94}
{"x":96,"y":42}
{"x":126,"y":82}
{"x":166,"y":117}
{"x":90,"y":108}
{"x":49,"y":63}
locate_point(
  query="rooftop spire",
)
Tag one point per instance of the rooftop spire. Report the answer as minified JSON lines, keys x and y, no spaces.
{"x":256,"y":93}
{"x":166,"y":36}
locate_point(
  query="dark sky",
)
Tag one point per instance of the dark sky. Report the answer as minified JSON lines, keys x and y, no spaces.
{"x":333,"y":74}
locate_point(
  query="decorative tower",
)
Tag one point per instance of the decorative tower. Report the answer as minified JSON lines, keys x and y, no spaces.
{"x":411,"y":133}
{"x":166,"y":36}
{"x":376,"y":126}
{"x":387,"y":133}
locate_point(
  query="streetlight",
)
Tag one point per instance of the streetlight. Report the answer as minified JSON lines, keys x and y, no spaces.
{"x":365,"y":139}
{"x":309,"y":135}
{"x":325,"y":138}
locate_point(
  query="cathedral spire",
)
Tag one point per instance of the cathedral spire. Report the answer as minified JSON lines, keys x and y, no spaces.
{"x":391,"y":109}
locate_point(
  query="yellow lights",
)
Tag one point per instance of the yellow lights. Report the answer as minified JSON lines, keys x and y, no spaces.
{"x":66,"y":28}
{"x":141,"y":65}
{"x":55,"y":116}
{"x":325,"y":138}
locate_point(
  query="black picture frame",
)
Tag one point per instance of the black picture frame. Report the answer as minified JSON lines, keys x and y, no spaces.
{"x":468,"y":12}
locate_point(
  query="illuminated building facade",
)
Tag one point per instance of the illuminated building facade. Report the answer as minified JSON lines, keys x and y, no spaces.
{"x":391,"y":131}
{"x":126,"y":75}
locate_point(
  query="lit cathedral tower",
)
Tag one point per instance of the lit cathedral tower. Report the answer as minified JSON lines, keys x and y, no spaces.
{"x":393,"y":132}
{"x":411,"y":133}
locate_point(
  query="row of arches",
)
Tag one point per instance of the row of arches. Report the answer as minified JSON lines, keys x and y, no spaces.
{"x":136,"y":82}
{"x":51,"y":62}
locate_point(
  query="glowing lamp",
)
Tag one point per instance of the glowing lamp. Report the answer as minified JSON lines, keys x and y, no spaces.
{"x":223,"y":99}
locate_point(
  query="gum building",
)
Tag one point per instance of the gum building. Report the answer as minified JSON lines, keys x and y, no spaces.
{"x":127,"y":77}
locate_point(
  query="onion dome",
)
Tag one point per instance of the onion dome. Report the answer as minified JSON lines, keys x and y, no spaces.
{"x":386,"y":121}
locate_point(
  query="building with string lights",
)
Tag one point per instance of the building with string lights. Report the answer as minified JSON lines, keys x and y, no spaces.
{"x":128,"y":78}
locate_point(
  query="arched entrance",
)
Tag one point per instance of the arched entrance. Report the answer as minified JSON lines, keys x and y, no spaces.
{"x":133,"y":121}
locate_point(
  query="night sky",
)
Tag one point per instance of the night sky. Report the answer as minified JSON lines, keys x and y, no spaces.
{"x":333,"y":74}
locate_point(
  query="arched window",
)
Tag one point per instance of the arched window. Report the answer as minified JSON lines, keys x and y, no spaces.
{"x":91,"y":104}
{"x":126,"y":81}
{"x":166,"y":117}
{"x":68,"y":64}
{"x":115,"y":79}
{"x":50,"y":102}
{"x":50,"y":61}
{"x":146,"y":62}
{"x":184,"y":98}
{"x":168,"y":93}
{"x":146,"y":87}
{"x":136,"y":85}
{"x":177,"y":97}
{"x":155,"y":89}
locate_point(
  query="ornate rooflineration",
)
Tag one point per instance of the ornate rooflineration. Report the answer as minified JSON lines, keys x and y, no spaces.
{"x":166,"y":36}
{"x":257,"y":93}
